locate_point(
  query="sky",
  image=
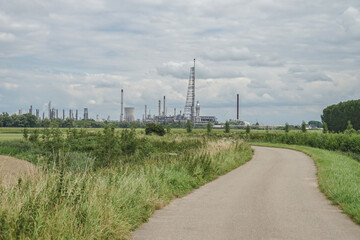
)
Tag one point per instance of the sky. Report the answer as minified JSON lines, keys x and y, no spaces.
{"x":288,"y":60}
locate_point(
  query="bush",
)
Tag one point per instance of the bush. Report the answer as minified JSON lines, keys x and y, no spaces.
{"x":188,"y":126}
{"x":227,"y":127}
{"x":155,"y":128}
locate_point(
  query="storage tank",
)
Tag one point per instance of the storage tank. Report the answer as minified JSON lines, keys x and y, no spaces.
{"x":129,"y":114}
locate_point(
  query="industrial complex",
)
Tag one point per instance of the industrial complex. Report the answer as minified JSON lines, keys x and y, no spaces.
{"x":191,"y":110}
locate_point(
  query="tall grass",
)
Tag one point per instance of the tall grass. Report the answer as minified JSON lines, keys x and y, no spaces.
{"x":110,"y":202}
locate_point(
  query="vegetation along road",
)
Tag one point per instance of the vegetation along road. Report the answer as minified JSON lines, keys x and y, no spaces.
{"x":274,"y":196}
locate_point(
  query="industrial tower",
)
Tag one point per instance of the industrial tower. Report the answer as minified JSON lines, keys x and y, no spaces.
{"x":190,"y":98}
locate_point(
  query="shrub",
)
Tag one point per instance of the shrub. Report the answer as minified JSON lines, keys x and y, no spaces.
{"x":287,"y":127}
{"x":227,"y":127}
{"x":188,"y":126}
{"x":209,"y":127}
{"x":303,"y":127}
{"x":34,"y":136}
{"x":155,"y":128}
{"x":325,"y":128}
{"x":248,"y":129}
{"x":26,"y":134}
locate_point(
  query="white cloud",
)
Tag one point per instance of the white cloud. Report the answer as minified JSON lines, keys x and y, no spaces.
{"x":351,"y":21}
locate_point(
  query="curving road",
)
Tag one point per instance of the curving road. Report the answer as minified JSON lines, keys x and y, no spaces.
{"x":274,"y":196}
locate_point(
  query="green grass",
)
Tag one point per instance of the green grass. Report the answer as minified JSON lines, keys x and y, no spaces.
{"x":338,"y":177}
{"x":109,"y":203}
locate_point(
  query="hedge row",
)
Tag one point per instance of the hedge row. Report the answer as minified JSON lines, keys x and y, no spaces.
{"x":334,"y":142}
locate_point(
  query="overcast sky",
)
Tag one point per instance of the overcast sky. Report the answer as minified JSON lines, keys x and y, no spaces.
{"x":288,"y":60}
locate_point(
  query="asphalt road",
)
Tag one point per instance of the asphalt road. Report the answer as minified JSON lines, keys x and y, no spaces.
{"x":274,"y":196}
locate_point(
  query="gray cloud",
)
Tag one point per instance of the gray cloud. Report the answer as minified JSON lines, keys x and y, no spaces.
{"x":281,"y":56}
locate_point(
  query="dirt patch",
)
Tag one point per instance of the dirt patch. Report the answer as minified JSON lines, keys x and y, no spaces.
{"x":11,"y":169}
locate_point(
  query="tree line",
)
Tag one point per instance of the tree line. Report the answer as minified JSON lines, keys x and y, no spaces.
{"x":338,"y":115}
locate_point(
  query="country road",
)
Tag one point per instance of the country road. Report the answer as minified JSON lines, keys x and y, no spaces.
{"x":274,"y":196}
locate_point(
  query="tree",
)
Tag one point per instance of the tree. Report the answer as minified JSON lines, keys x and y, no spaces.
{"x":325,"y":128}
{"x":287,"y":127}
{"x":209,"y":127}
{"x":227,"y":127}
{"x":315,"y":124}
{"x":248,"y":129}
{"x":303,"y":127}
{"x":188,"y":126}
{"x":349,"y":129}
{"x":337,"y":115}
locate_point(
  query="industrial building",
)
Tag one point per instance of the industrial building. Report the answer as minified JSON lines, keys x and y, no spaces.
{"x":191,"y":112}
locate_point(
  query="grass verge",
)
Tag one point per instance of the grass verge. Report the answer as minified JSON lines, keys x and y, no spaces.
{"x":338,"y":177}
{"x":110,"y":202}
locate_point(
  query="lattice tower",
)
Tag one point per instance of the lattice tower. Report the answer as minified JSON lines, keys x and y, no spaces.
{"x":190,"y":98}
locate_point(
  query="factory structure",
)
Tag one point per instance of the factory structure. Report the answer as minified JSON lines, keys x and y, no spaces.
{"x":191,"y":110}
{"x":53,"y":113}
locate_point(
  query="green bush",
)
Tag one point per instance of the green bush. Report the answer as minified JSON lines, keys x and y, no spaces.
{"x":155,"y":128}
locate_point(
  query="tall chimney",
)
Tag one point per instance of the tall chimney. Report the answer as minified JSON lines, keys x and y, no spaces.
{"x":159,"y":108}
{"x":164,"y":113}
{"x":237,"y":109}
{"x":122,"y":106}
{"x":174,"y":111}
{"x":145,"y":112}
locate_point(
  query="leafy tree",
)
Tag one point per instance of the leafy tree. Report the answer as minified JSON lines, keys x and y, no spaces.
{"x":188,"y":126}
{"x":325,"y":128}
{"x":349,"y":129}
{"x":248,"y":129}
{"x":303,"y":127}
{"x":315,"y":123}
{"x":227,"y":127}
{"x":287,"y":127}
{"x":209,"y":127}
{"x":337,"y":115}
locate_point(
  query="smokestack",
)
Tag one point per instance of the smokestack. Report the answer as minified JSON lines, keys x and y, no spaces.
{"x":159,"y":107}
{"x":122,"y":106}
{"x":164,"y":113}
{"x":63,"y":114}
{"x":76,"y":114}
{"x":174,"y":111}
{"x":145,"y":112}
{"x":30,"y":110}
{"x":49,"y":108}
{"x":237,"y":109}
